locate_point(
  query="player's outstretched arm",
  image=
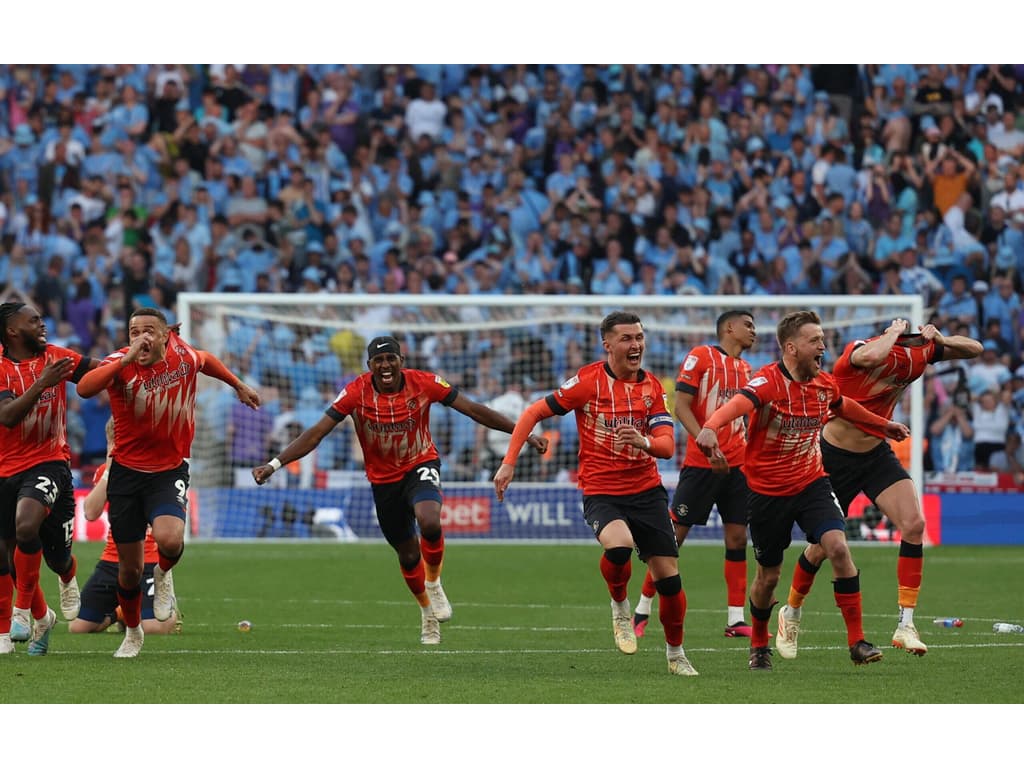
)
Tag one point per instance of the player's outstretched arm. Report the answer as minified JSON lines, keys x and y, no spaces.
{"x":490,"y":418}
{"x":14,"y":409}
{"x":707,"y":439}
{"x":296,"y":449}
{"x":857,"y":414}
{"x":214,"y":368}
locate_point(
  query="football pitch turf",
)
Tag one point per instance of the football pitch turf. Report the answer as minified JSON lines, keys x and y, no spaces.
{"x":334,"y":623}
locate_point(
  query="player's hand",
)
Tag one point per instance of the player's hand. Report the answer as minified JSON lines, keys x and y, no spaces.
{"x":898,"y":326}
{"x":262,"y":473}
{"x":538,"y":443}
{"x":707,"y":441}
{"x":894,"y":430}
{"x":719,"y":465}
{"x":502,"y":478}
{"x":56,"y":371}
{"x":247,"y":395}
{"x":629,"y":435}
{"x":931,"y":333}
{"x":139,"y":344}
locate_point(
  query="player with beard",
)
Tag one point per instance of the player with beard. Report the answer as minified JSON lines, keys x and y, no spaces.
{"x":875,"y":373}
{"x":623,"y":422}
{"x":708,"y":376}
{"x":788,"y":401}
{"x":390,"y":408}
{"x":37,"y":503}
{"x":152,"y":387}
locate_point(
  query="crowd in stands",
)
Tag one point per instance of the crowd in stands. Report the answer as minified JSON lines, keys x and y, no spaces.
{"x":122,"y":185}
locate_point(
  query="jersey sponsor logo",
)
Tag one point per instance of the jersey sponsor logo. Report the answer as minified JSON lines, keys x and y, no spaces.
{"x":618,"y":421}
{"x":690,"y":363}
{"x":569,"y":383}
{"x":167,"y":378}
{"x":799,"y":423}
{"x":388,"y":428}
{"x":757,"y":382}
{"x":442,"y":382}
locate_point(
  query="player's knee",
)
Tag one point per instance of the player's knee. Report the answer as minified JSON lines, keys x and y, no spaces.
{"x":913,"y":528}
{"x":669,"y":586}
{"x":407,"y":560}
{"x":618,"y":555}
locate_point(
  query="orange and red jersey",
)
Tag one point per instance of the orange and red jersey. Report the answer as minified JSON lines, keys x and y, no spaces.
{"x":42,"y":435}
{"x":393,"y":429}
{"x":712,"y":376}
{"x":109,"y":554}
{"x":879,"y":389}
{"x":603,"y":402}
{"x":154,"y":408}
{"x":783,"y":449}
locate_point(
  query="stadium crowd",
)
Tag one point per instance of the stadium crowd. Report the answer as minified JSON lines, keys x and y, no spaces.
{"x":122,"y":185}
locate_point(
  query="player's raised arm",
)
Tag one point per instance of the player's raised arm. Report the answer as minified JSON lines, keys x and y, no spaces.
{"x":736,"y":407}
{"x":14,"y":409}
{"x":535,"y":412}
{"x":875,"y":352}
{"x":953,"y":347}
{"x":490,"y":418}
{"x":213,"y":367}
{"x":296,"y":449}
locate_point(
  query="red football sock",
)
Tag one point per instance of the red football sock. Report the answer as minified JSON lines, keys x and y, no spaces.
{"x":736,"y":581}
{"x":38,"y":603}
{"x":130,"y":601}
{"x":647,"y":588}
{"x":433,"y":557}
{"x":6,"y":601}
{"x":909,"y":568}
{"x":803,"y":580}
{"x":617,"y":577}
{"x":414,"y":580}
{"x":671,"y":611}
{"x":759,"y":618}
{"x":847,"y":594}
{"x":27,"y":567}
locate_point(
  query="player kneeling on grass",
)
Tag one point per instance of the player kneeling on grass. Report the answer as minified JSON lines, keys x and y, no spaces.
{"x":390,"y":408}
{"x":99,"y":609}
{"x":623,"y":422}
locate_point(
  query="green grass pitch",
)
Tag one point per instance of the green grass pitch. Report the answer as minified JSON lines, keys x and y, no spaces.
{"x":334,"y":623}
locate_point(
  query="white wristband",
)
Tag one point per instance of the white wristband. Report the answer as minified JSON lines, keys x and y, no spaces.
{"x":647,"y":444}
{"x":275,"y":463}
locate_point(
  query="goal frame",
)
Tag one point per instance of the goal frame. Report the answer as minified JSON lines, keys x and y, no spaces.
{"x":187,"y":300}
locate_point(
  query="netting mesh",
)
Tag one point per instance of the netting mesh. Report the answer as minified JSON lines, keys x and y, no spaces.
{"x":502,"y":350}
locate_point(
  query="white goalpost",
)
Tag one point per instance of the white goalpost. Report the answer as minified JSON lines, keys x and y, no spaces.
{"x":504,"y":350}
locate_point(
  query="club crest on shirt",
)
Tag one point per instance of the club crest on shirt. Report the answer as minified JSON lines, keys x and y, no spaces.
{"x":570,"y":383}
{"x":821,"y":396}
{"x":690,"y":363}
{"x":440,"y":380}
{"x":411,"y":403}
{"x":648,"y":402}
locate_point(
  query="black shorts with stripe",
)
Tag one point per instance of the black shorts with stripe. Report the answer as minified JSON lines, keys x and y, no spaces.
{"x":815,"y":509}
{"x":646,"y":514}
{"x":700,"y":489}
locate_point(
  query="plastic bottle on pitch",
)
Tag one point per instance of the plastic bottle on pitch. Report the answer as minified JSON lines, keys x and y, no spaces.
{"x":949,"y":622}
{"x":1003,"y":627}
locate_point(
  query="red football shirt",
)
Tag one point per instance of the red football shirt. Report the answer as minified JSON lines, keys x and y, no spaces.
{"x":154,"y":408}
{"x":603,"y":402}
{"x":42,"y":435}
{"x":109,"y":554}
{"x":712,"y":376}
{"x":393,"y":429}
{"x":783,"y":452}
{"x":879,"y":389}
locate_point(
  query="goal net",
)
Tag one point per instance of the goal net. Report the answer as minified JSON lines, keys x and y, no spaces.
{"x":299,"y":350}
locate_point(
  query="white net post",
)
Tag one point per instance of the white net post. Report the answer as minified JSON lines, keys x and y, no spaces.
{"x":301,"y":348}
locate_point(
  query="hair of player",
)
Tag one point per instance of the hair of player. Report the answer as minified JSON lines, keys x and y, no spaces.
{"x":790,"y":325}
{"x":725,"y":317}
{"x":617,"y":318}
{"x":149,"y":312}
{"x":8,"y":310}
